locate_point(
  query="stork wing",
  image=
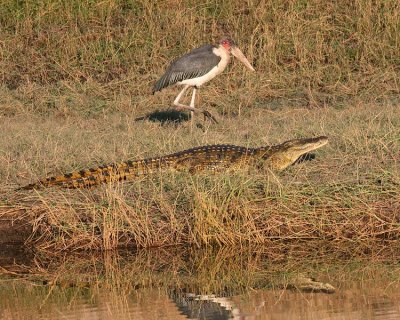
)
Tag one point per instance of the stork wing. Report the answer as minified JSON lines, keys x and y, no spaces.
{"x":194,"y":64}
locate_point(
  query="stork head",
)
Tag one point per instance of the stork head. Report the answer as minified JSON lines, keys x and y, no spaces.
{"x":229,"y":45}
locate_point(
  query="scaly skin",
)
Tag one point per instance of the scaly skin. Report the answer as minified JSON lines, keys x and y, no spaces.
{"x":212,"y":157}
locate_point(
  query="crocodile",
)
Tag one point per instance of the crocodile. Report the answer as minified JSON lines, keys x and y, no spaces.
{"x":212,"y":157}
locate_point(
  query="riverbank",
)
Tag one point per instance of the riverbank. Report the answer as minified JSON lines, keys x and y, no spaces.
{"x":348,"y":194}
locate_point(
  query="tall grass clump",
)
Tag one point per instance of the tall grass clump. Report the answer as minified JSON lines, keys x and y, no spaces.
{"x":232,"y":210}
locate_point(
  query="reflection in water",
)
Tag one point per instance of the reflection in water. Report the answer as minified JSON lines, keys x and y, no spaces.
{"x":190,"y":283}
{"x":207,"y":308}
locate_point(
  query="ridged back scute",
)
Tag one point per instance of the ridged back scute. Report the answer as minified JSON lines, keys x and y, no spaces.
{"x":195,"y":159}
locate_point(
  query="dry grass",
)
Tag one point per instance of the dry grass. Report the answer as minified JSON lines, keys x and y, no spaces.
{"x":306,"y":53}
{"x":76,"y":74}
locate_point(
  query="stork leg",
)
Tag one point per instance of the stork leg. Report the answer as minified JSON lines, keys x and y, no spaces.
{"x":180,"y":106}
{"x":192,"y":106}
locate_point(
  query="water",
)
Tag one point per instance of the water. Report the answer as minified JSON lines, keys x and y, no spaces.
{"x":185,"y":283}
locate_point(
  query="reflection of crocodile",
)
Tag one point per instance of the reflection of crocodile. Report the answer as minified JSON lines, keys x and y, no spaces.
{"x":213,"y":157}
{"x":212,"y":306}
{"x":306,"y":284}
{"x":218,"y":307}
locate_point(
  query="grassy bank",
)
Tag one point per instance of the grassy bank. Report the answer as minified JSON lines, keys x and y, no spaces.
{"x":75,"y":75}
{"x":348,"y":194}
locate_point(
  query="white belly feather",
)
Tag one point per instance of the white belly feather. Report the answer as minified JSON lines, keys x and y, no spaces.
{"x":225,"y":56}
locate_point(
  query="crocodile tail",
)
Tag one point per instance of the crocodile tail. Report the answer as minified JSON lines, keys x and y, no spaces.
{"x":87,"y":178}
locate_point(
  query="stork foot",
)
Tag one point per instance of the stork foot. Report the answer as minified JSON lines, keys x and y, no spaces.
{"x":208,"y":115}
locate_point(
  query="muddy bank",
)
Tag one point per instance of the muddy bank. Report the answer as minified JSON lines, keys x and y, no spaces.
{"x":15,"y":228}
{"x":56,"y":227}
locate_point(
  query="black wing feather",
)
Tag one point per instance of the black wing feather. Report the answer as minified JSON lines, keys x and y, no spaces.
{"x":192,"y":65}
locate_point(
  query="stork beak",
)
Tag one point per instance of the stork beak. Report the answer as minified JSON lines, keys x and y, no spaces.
{"x":238,"y":54}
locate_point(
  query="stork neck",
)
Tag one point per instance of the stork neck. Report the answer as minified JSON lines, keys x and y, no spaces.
{"x":223,"y":53}
{"x":227,"y":50}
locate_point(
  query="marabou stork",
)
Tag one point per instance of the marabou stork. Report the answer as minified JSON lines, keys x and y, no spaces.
{"x":197,"y":67}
